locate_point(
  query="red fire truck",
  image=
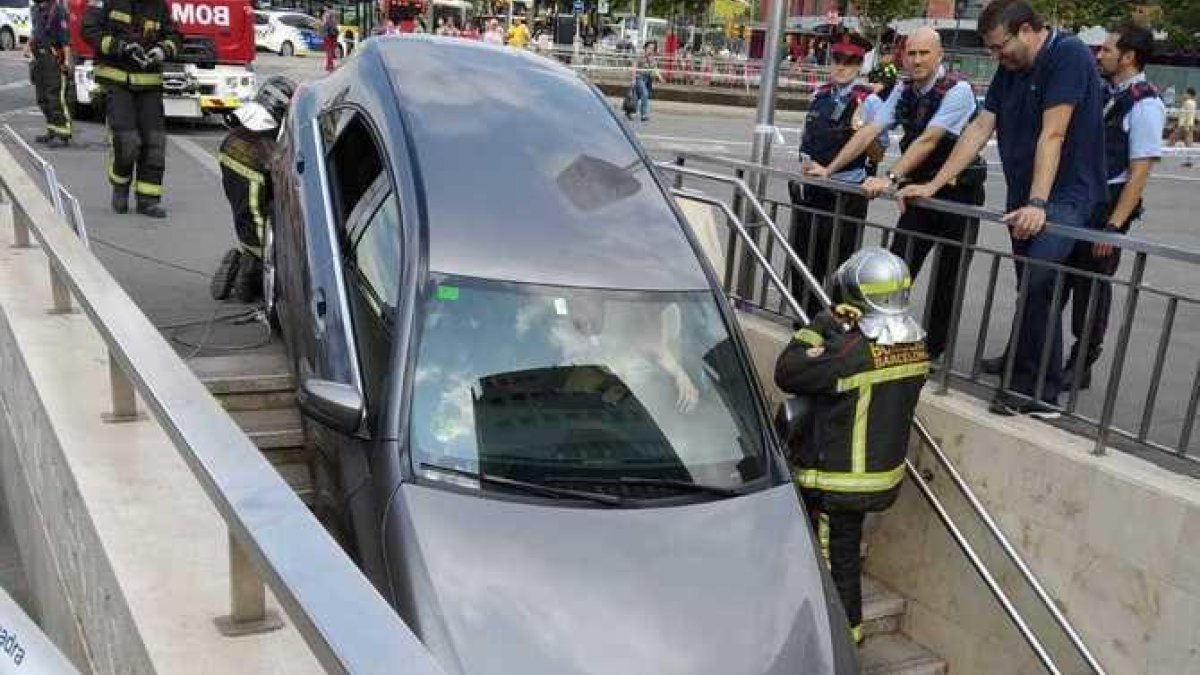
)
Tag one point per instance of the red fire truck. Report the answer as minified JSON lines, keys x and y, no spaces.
{"x":404,"y":14}
{"x":213,"y":72}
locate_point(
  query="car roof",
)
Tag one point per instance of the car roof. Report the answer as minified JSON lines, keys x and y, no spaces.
{"x":526,"y":173}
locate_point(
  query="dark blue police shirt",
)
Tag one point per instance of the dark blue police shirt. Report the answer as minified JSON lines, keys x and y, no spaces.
{"x":1064,"y":72}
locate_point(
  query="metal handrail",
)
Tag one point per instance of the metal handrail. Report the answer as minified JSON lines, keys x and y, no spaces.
{"x":935,"y":503}
{"x":1126,"y":242}
{"x":347,"y":624}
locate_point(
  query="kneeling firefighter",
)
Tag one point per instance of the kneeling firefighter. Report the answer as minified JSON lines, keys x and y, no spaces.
{"x":132,"y":40}
{"x":246,"y":176}
{"x":860,"y":367}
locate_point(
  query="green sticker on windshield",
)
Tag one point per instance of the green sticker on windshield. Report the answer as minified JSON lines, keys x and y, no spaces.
{"x":447,"y":293}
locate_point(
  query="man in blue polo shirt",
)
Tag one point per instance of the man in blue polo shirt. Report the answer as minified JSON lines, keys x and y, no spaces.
{"x":1044,"y":104}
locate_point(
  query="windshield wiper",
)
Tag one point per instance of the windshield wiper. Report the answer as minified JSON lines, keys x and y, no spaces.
{"x":526,"y":486}
{"x":662,"y":482}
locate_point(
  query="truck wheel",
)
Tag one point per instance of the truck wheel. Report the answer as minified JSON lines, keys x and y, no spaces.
{"x":286,"y":49}
{"x":8,"y":41}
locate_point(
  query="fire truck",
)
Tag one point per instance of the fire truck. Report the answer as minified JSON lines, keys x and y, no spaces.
{"x":404,"y":14}
{"x":213,"y":72}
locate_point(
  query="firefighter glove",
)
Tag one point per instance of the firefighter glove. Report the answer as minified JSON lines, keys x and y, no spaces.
{"x":156,"y":55}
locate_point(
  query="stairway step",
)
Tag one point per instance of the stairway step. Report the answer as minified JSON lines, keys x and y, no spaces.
{"x":273,"y":428}
{"x":263,"y":400}
{"x":883,"y":608}
{"x":254,"y":372}
{"x":897,"y":655}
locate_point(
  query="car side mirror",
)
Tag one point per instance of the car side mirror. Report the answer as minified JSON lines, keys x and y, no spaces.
{"x":792,"y":417}
{"x":338,"y":406}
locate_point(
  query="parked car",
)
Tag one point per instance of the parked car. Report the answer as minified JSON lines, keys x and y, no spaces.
{"x":347,"y":39}
{"x":552,"y":452}
{"x":285,"y":33}
{"x":15,"y":23}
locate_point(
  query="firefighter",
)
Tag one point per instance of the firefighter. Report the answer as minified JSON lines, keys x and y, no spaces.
{"x":932,"y":107}
{"x":50,"y":46}
{"x":836,"y":108}
{"x":245,"y":174}
{"x":861,"y":366}
{"x":132,"y":39}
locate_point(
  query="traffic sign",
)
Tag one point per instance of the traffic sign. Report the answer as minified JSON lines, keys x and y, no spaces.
{"x":578,"y":6}
{"x":602,"y":7}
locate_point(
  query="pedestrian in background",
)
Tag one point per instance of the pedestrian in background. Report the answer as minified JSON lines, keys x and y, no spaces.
{"x":1187,"y":121}
{"x":493,"y":35}
{"x":1134,"y":117}
{"x":1044,"y":105}
{"x":329,"y":31}
{"x":50,"y":47}
{"x":518,"y":34}
{"x":645,"y":72}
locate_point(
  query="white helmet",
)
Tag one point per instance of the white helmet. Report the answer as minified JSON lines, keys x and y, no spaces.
{"x":877,"y":282}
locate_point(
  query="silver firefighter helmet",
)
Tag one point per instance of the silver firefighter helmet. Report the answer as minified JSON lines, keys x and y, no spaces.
{"x":878,"y":283}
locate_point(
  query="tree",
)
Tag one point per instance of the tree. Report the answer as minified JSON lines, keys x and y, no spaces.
{"x":875,"y":15}
{"x":1181,"y":20}
{"x":1076,"y":14}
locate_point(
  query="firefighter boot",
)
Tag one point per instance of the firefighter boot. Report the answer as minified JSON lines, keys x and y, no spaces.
{"x":57,"y":141}
{"x":43,"y":138}
{"x":222,"y":281}
{"x":247,"y":288}
{"x":151,"y":208}
{"x":120,"y":199}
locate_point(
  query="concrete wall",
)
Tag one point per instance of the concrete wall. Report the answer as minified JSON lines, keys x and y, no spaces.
{"x":1116,"y":541}
{"x":127,"y":560}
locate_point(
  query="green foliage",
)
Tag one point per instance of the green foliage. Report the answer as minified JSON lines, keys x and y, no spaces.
{"x":1076,"y":14}
{"x":1181,"y":20}
{"x":877,"y":14}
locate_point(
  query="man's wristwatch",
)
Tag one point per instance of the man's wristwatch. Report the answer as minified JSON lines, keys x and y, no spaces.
{"x":895,"y":178}
{"x":1037,"y":203}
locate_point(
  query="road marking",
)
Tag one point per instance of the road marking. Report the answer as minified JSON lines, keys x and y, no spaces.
{"x":31,"y":110}
{"x":692,"y":139}
{"x":204,"y":157}
{"x":14,"y":85}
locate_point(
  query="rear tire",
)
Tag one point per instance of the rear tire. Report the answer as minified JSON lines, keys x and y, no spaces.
{"x":286,"y":49}
{"x":8,"y":41}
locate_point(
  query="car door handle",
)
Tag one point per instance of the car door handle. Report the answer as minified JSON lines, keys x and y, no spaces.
{"x":319,"y":308}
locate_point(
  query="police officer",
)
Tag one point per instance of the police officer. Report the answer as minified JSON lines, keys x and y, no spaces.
{"x":933,"y":107}
{"x":246,"y":176}
{"x":836,"y":109}
{"x":132,"y":39}
{"x":50,"y":46}
{"x":862,"y":366}
{"x":1134,"y":117}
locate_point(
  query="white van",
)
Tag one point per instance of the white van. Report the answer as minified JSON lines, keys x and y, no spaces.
{"x":15,"y":23}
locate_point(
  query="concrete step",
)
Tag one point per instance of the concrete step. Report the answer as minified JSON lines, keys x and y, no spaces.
{"x":883,"y":608}
{"x":267,"y":400}
{"x":271,"y":429}
{"x":897,"y":655}
{"x":256,"y":372}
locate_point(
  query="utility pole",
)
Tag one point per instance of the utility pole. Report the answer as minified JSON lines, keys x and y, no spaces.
{"x":641,"y":27}
{"x":764,"y":122}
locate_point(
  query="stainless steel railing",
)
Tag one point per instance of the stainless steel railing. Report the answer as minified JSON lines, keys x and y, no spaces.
{"x":1152,"y":312}
{"x":274,"y":539}
{"x":1003,"y":597}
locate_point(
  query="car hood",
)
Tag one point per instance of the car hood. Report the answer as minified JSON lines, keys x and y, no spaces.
{"x":726,"y":587}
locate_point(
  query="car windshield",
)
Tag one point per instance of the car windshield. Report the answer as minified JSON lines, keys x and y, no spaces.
{"x":584,"y":389}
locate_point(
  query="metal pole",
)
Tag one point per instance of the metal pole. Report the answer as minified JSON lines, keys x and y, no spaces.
{"x":641,"y":27}
{"x":247,"y":598}
{"x":764,"y":119}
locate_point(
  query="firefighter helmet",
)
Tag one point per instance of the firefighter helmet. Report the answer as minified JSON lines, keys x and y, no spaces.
{"x":269,"y":107}
{"x":878,"y":283}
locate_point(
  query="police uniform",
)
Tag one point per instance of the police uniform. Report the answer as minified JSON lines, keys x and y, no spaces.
{"x":830,"y":124}
{"x":863,"y":379}
{"x":1119,"y":124}
{"x":127,"y":35}
{"x":913,"y":112}
{"x":48,"y":42}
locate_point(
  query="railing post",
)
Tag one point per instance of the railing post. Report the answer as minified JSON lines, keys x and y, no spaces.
{"x":1118,"y":363}
{"x":124,"y":398}
{"x":20,"y":222}
{"x":248,"y":613}
{"x":59,"y":291}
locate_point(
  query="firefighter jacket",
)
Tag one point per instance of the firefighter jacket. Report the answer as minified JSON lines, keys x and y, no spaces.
{"x":245,"y":174}
{"x":111,"y":25}
{"x":850,"y":454}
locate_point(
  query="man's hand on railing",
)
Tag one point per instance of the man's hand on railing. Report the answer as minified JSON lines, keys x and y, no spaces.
{"x":915,"y":191}
{"x":1025,"y":222}
{"x":811,"y":168}
{"x":876,"y":185}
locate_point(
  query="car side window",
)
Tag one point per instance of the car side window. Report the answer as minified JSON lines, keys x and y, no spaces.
{"x":376,"y":257}
{"x":261,"y":20}
{"x":294,"y":21}
{"x":355,"y":163}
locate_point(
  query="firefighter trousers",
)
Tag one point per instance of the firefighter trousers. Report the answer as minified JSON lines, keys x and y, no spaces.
{"x":137,"y":131}
{"x":840,"y":535}
{"x":51,"y":88}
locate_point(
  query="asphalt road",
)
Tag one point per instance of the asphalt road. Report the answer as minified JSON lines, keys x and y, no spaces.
{"x":164,"y":265}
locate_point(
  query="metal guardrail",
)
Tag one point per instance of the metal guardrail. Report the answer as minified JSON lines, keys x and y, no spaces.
{"x":274,"y":538}
{"x":974,"y":558}
{"x":1139,"y":294}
